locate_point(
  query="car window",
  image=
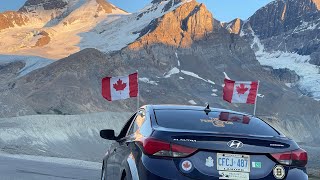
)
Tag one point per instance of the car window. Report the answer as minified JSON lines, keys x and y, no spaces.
{"x":126,"y":127}
{"x":137,"y":123}
{"x":132,"y":127}
{"x":218,"y":122}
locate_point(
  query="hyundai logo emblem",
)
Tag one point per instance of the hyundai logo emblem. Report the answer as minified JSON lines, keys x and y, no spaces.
{"x":235,"y":144}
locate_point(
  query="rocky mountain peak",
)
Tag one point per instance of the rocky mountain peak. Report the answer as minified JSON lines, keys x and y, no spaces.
{"x":234,"y":26}
{"x":32,"y":5}
{"x":105,"y":6}
{"x":283,"y":15}
{"x":179,"y":28}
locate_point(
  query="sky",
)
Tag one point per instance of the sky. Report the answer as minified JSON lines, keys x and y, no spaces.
{"x":223,"y":10}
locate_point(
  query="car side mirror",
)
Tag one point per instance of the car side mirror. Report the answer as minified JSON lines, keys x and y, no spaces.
{"x":108,"y":134}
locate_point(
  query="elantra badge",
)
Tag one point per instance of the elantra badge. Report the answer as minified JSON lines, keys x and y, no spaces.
{"x":235,"y":144}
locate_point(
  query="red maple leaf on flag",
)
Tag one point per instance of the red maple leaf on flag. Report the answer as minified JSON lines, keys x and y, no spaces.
{"x":186,"y":165}
{"x":119,"y":86}
{"x":242,"y":89}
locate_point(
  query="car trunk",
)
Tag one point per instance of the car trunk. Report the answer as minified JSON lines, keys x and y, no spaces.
{"x":214,"y":158}
{"x":225,"y":145}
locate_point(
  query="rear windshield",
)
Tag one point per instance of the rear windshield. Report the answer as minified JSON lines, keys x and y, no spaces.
{"x":218,"y":122}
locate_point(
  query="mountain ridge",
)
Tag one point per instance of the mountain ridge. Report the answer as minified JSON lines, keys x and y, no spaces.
{"x":47,"y":26}
{"x":284,"y":35}
{"x":191,"y":26}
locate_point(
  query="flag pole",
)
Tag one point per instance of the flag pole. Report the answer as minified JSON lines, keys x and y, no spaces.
{"x":138,"y":96}
{"x":255,"y":104}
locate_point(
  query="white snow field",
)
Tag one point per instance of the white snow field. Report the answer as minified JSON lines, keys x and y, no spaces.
{"x":57,"y":147}
{"x":309,"y":74}
{"x":79,"y":16}
{"x":32,"y":62}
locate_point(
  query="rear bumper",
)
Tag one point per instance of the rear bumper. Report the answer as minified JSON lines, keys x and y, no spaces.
{"x":158,"y":169}
{"x":165,"y":169}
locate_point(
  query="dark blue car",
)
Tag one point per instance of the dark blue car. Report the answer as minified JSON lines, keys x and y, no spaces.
{"x":189,"y":142}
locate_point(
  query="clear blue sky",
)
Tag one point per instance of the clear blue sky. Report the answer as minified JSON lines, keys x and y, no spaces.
{"x":223,"y":10}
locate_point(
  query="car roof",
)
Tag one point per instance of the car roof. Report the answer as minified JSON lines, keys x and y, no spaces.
{"x":189,"y":107}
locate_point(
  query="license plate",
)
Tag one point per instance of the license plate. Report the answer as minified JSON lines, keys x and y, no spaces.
{"x":233,"y":162}
{"x":233,"y":175}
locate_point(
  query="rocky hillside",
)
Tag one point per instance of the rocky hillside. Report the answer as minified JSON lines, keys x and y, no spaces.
{"x":11,"y":19}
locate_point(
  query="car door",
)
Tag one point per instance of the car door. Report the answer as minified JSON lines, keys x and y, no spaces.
{"x":115,"y":153}
{"x":127,"y":150}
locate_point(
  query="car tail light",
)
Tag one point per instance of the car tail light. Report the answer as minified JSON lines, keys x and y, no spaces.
{"x":294,"y":158}
{"x":156,"y":147}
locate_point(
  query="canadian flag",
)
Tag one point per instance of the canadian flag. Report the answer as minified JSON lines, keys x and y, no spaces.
{"x":117,"y":88}
{"x":226,"y":116}
{"x":240,"y":91}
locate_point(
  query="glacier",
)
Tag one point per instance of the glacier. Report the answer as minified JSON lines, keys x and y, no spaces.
{"x":71,"y":136}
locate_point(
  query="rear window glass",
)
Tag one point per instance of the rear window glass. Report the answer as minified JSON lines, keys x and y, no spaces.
{"x":219,"y":122}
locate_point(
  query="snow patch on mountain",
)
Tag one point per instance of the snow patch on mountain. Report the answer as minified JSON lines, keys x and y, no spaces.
{"x":214,"y":91}
{"x":172,"y":72}
{"x":307,"y":26}
{"x":309,"y":74}
{"x":178,"y":59}
{"x":175,"y":70}
{"x":196,"y":76}
{"x":192,"y":102}
{"x":32,"y":62}
{"x":147,"y":80}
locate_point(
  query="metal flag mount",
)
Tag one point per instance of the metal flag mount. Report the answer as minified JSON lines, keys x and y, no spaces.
{"x":255,"y":104}
{"x":138,"y":96}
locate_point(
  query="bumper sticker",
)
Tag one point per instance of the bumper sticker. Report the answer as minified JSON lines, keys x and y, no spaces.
{"x":279,"y":172}
{"x":186,"y":166}
{"x":256,"y":165}
{"x":209,"y":162}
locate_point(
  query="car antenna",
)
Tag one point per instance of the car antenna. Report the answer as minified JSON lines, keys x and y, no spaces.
{"x":207,"y":109}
